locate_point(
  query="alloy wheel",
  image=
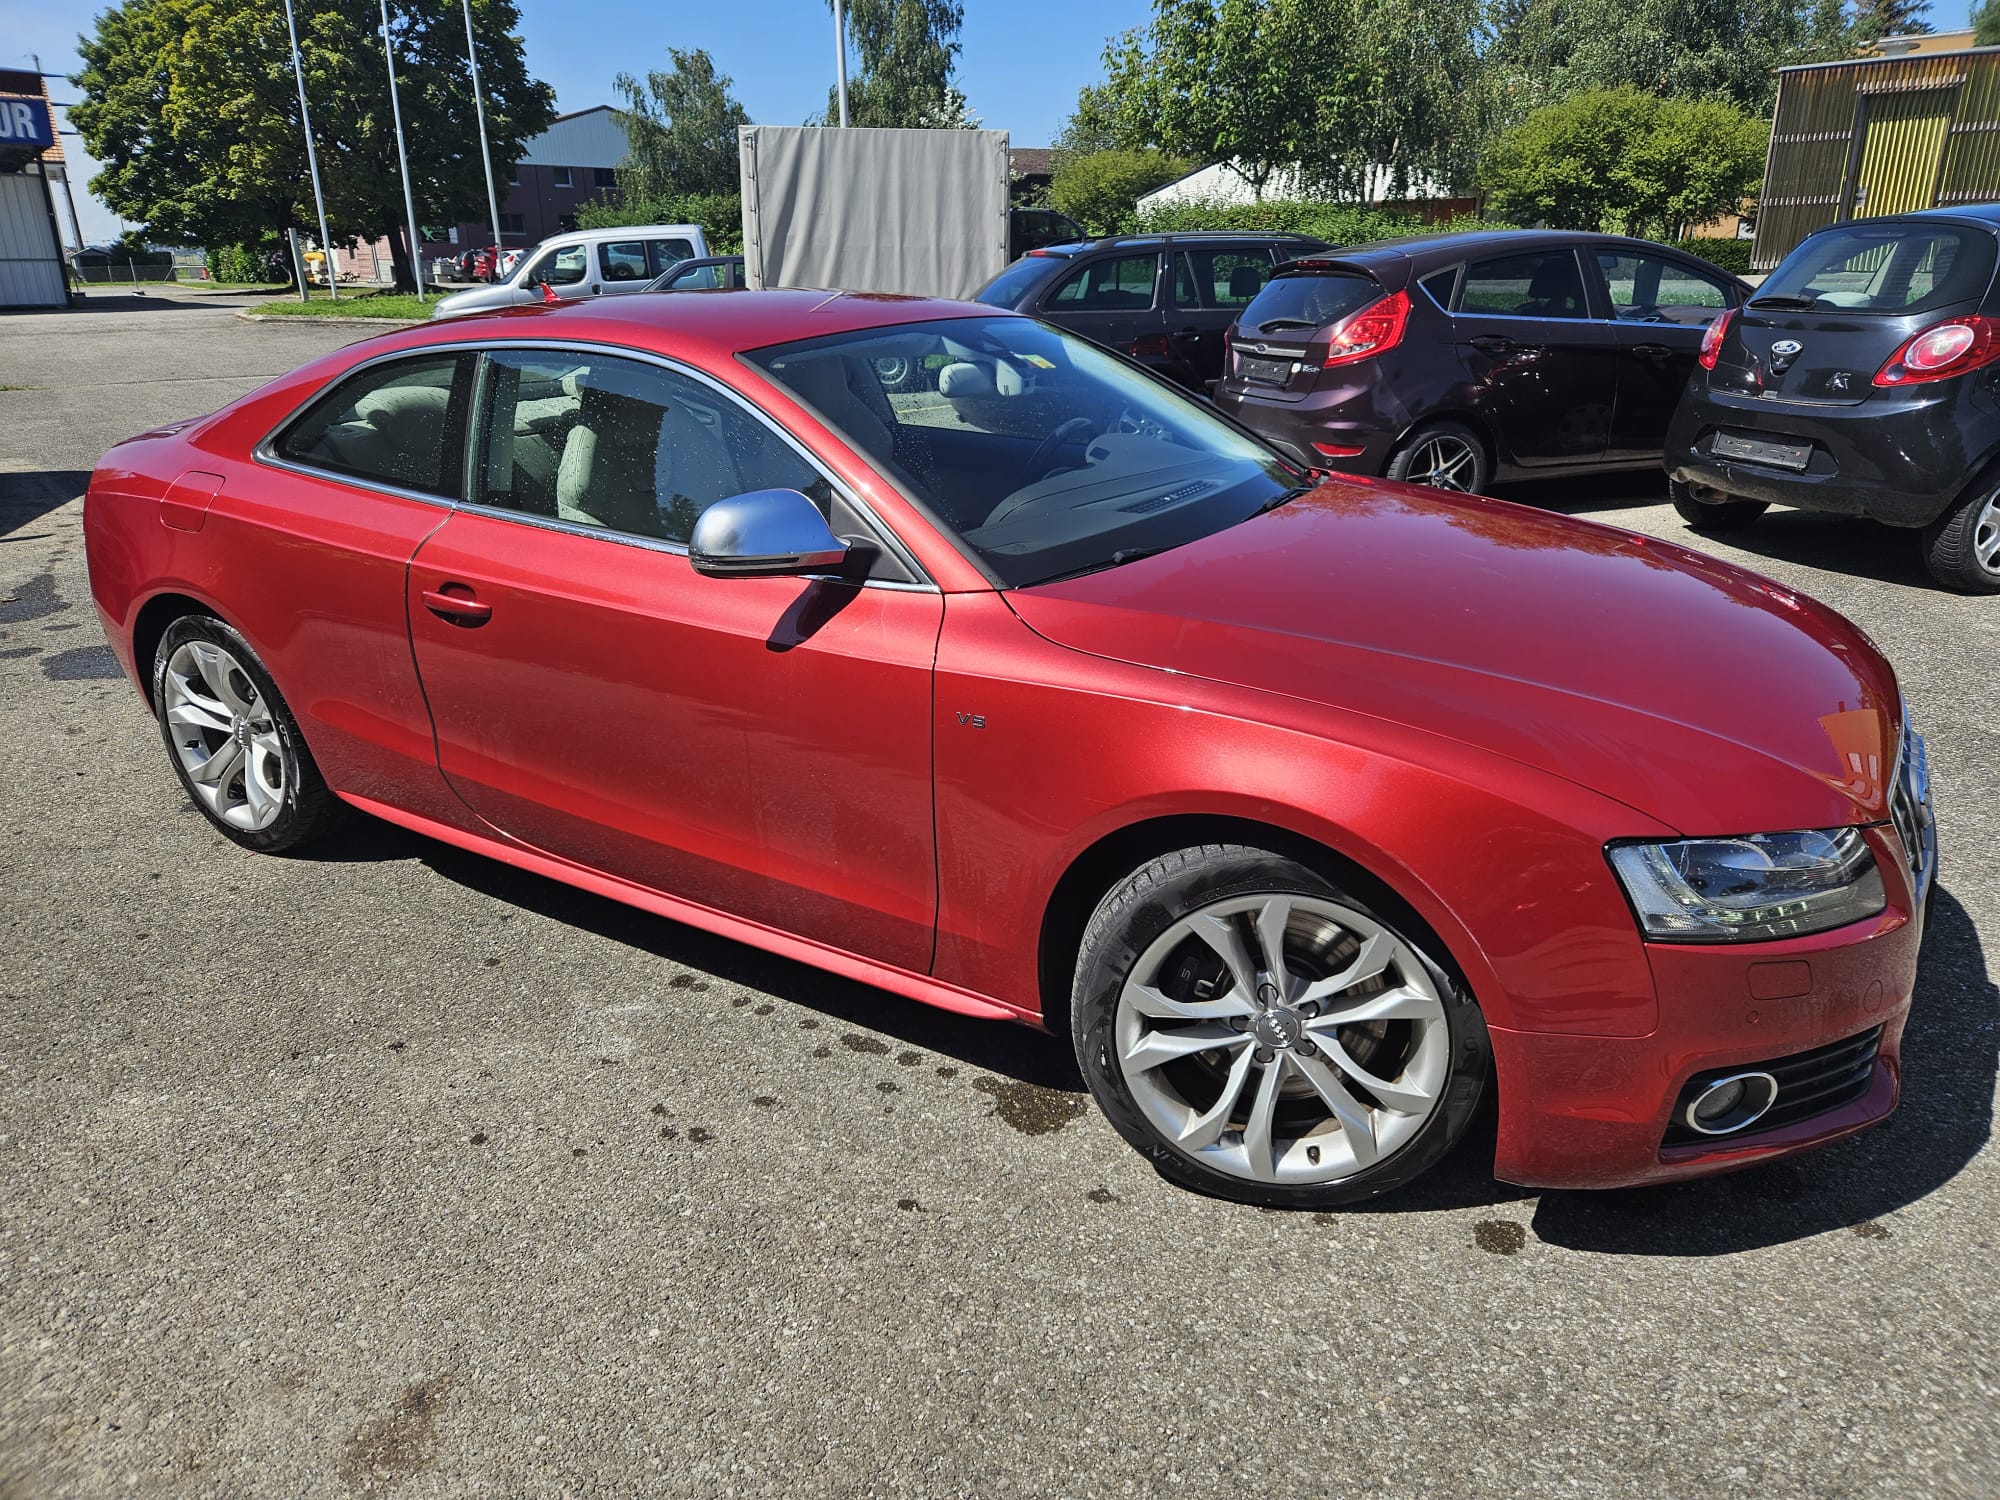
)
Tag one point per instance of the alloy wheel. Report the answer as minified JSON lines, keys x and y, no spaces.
{"x":224,"y":736}
{"x":1443,"y":461}
{"x":1283,"y":1038}
{"x":1986,"y":535}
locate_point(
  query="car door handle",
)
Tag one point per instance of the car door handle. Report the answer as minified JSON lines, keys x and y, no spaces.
{"x":1187,"y":333}
{"x":1493,"y":343}
{"x":460,"y":609}
{"x":1652,"y":351}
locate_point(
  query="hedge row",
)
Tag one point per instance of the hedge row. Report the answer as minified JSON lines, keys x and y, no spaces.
{"x":1731,"y":255}
{"x":1336,"y":223}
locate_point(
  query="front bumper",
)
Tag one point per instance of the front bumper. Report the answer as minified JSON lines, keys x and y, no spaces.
{"x":1596,"y":1112}
{"x":1899,"y":457}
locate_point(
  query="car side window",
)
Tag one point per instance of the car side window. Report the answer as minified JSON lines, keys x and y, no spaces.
{"x":1221,"y":278}
{"x":667,"y":254}
{"x":562,"y":266}
{"x":1121,"y":283}
{"x":1439,"y":286}
{"x":623,"y":260}
{"x":1653,"y":289}
{"x":696,"y":279}
{"x":601,"y":441}
{"x":394,"y":424}
{"x":1538,"y":284}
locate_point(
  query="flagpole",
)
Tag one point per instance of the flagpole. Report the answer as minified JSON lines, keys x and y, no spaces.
{"x":840,"y":57}
{"x":402,"y":160}
{"x":485,"y":152}
{"x":312,"y":157}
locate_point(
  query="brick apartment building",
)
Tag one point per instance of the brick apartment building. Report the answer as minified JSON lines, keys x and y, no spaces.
{"x":570,"y":164}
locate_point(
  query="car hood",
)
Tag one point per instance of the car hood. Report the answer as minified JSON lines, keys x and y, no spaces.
{"x":480,"y":299}
{"x":1703,"y":695}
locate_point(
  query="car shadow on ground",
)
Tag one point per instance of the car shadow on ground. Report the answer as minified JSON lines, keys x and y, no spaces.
{"x":1015,"y":1052}
{"x":1949,"y":1069}
{"x":26,"y":497}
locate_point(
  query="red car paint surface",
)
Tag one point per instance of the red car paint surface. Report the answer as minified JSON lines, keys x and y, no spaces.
{"x":930,"y":788}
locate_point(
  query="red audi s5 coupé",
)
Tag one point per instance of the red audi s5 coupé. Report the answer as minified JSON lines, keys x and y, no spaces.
{"x":949,"y":652}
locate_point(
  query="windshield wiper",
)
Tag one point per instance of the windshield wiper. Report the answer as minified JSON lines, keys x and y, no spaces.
{"x":1785,"y":299}
{"x":1116,"y":560}
{"x":1292,"y":494}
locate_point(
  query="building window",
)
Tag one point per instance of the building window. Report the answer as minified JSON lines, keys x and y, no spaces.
{"x":514,"y":175}
{"x":607,"y":177}
{"x":513,"y":224}
{"x":562,"y":176}
{"x":566,"y":222}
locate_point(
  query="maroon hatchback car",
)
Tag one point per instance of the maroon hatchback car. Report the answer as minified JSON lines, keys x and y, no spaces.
{"x":1310,"y":809}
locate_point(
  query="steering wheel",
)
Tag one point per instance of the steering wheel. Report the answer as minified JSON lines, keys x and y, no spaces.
{"x":1044,"y":457}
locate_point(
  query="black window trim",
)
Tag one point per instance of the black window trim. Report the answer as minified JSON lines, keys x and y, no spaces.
{"x":457,"y":428}
{"x":1693,"y":265}
{"x":1081,"y":265}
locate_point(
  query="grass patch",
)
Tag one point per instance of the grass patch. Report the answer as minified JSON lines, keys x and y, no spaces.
{"x":352,"y":305}
{"x":16,"y":388}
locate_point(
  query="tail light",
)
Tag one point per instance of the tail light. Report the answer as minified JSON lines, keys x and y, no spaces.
{"x":1376,"y":329}
{"x":1711,"y":342}
{"x":1942,"y":351}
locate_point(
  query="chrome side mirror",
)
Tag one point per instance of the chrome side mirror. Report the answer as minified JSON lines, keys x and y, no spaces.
{"x":764,"y":534}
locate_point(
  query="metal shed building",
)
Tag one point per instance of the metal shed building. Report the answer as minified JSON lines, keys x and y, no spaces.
{"x":1878,"y":135}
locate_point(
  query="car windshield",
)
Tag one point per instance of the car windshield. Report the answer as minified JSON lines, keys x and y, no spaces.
{"x":1041,"y":453}
{"x":1014,"y":283}
{"x":1907,"y":267}
{"x":1307,"y":300}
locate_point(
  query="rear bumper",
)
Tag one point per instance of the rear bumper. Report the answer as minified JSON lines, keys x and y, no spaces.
{"x":1900,"y":457}
{"x":1594,"y":1111}
{"x":1347,"y":417}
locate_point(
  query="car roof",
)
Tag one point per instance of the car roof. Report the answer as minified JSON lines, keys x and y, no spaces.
{"x":714,"y":325}
{"x":1985,"y":214}
{"x":1196,"y":237}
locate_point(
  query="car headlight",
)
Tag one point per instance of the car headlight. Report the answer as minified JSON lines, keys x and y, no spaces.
{"x":1750,"y":889}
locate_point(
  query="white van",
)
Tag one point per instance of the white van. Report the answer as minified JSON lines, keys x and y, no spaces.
{"x":585,"y":263}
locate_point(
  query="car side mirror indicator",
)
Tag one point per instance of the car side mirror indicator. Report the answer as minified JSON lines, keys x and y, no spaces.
{"x":764,"y":534}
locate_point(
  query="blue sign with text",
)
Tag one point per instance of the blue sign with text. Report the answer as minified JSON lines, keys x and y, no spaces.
{"x":25,"y":125}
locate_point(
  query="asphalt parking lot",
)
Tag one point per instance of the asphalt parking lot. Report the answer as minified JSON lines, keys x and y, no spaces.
{"x":392,"y":1170}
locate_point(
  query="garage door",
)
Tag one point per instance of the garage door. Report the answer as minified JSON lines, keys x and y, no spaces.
{"x":31,"y":271}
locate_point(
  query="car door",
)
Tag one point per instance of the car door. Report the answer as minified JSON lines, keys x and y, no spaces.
{"x":1210,"y":288}
{"x":1662,"y":307}
{"x":563,"y":267}
{"x":664,"y":254}
{"x":1543,"y":368}
{"x":760,"y":746}
{"x":1113,"y":299}
{"x":620,"y":266}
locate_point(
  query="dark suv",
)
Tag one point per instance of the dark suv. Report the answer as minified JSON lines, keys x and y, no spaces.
{"x":1164,"y":299}
{"x":1862,"y":378}
{"x":1456,"y":359}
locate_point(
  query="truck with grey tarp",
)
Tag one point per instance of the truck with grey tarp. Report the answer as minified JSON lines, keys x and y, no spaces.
{"x":918,"y":211}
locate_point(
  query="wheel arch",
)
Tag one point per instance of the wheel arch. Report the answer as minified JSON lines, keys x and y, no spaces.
{"x":1093,"y":872}
{"x":1463,"y":416}
{"x":150,"y":624}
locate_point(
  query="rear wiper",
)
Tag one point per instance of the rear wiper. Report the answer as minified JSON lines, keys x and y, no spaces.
{"x":1286,"y":323}
{"x":1785,"y":299}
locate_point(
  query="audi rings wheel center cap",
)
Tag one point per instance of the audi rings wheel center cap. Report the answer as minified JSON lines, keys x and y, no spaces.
{"x":1278,"y":1029}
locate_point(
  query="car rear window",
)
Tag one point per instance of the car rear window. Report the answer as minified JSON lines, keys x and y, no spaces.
{"x":1017,"y":281}
{"x":1308,"y":300}
{"x":1884,"y":268}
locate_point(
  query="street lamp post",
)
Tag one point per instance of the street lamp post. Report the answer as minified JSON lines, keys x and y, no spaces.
{"x":312,"y":158}
{"x":485,"y":152}
{"x":840,"y":57}
{"x":403,"y":160}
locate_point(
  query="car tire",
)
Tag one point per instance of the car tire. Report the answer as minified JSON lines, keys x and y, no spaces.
{"x":1444,"y":456}
{"x":1712,"y":515}
{"x":233,"y":742}
{"x":1962,"y":546}
{"x":1235,"y":1087}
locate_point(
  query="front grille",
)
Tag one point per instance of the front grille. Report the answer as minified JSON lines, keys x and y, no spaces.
{"x":1910,"y":807}
{"x":1809,"y":1084}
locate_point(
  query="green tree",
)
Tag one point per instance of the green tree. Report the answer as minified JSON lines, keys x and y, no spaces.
{"x":1095,"y":124}
{"x":1100,"y":189}
{"x":1875,"y":19}
{"x":191,"y":106}
{"x":1621,"y":159}
{"x":1543,"y":51}
{"x":1986,"y":23}
{"x":906,"y":52}
{"x":681,"y":126}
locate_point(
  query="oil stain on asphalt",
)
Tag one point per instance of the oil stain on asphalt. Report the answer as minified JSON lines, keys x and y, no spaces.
{"x":402,"y":1443}
{"x":1498,"y":1237}
{"x":1028,"y":1107}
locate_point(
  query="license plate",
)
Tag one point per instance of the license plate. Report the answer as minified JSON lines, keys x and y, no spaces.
{"x":1264,"y":371}
{"x":1752,"y":450}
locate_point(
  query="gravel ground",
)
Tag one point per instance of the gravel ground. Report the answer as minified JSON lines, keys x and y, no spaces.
{"x":393,"y":1170}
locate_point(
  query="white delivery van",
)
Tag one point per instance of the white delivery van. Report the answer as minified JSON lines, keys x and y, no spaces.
{"x":585,"y":263}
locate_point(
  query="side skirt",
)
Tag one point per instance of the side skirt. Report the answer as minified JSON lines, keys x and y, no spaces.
{"x":837,"y":961}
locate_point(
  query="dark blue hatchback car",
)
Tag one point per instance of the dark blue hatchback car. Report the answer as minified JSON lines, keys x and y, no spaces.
{"x":1863,"y":378}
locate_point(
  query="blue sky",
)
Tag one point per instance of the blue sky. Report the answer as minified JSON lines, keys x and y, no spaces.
{"x":1023,"y":62}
